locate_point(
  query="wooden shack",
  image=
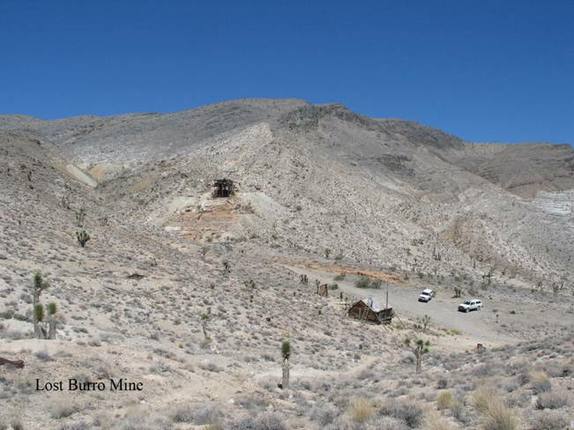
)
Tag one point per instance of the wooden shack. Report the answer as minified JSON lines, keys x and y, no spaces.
{"x":369,"y":310}
{"x":223,"y":188}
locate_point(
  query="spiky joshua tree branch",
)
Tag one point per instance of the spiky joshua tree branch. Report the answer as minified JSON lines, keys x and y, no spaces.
{"x":419,"y":347}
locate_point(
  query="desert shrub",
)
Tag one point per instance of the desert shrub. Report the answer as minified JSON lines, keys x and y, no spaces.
{"x":344,"y":422}
{"x":523,"y":378}
{"x":483,"y":370}
{"x":436,"y":422}
{"x":540,"y":382}
{"x":482,"y":398}
{"x":363,"y":282}
{"x":207,"y":414}
{"x":361,"y":410}
{"x":253,"y":403}
{"x":550,"y":420}
{"x":43,"y":356}
{"x":377,"y":283}
{"x":444,"y":400}
{"x":558,"y":370}
{"x":182,"y":414}
{"x":407,"y":411}
{"x":384,"y":423}
{"x":497,"y":415}
{"x":500,"y":417}
{"x":552,"y":400}
{"x":62,"y":409}
{"x":210,"y":367}
{"x":159,"y":367}
{"x":366,"y":282}
{"x":458,"y":411}
{"x":266,"y":421}
{"x":442,"y":383}
{"x":80,"y":425}
{"x":143,"y":421}
{"x":339,"y":277}
{"x":324,"y":414}
{"x":7,"y":314}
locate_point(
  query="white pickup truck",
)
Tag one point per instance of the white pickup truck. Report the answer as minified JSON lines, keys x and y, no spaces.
{"x":426,"y":295}
{"x":470,"y":305}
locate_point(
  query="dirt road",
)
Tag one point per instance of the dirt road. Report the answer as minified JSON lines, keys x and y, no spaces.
{"x":480,"y":326}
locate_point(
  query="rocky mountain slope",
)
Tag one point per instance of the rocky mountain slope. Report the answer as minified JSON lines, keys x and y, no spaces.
{"x":321,"y":191}
{"x":323,"y":177}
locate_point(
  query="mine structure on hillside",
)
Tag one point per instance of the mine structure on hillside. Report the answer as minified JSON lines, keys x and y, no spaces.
{"x":369,"y":310}
{"x":223,"y":188}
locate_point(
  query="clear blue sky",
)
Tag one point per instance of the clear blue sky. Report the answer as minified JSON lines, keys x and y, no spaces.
{"x":486,"y":70}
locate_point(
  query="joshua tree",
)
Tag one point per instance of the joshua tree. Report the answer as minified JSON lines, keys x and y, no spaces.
{"x":457,"y":292}
{"x":327,"y":253}
{"x":80,"y":217}
{"x":52,"y":309}
{"x":436,"y":254}
{"x":38,"y":287}
{"x":83,"y":237}
{"x":39,"y":313}
{"x":39,"y":331}
{"x":65,"y":201}
{"x":204,"y":320}
{"x":226,"y":266}
{"x":419,"y":348}
{"x":286,"y":354}
{"x":423,"y":323}
{"x":249,"y":285}
{"x":488,"y":275}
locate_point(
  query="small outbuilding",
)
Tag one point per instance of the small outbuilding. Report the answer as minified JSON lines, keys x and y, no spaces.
{"x":368,"y":310}
{"x":223,"y":188}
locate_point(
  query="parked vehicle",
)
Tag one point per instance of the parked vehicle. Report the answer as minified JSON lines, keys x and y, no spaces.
{"x":426,"y":295}
{"x":470,"y":305}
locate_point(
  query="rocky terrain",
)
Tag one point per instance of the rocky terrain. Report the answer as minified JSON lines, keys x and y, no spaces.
{"x":193,"y":295}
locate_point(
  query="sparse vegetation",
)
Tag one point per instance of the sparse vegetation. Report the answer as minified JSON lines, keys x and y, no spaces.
{"x":500,"y":417}
{"x":61,"y":408}
{"x":551,"y":420}
{"x":366,"y":282}
{"x":155,"y":298}
{"x":540,"y":382}
{"x":361,"y":410}
{"x":445,"y":400}
{"x":497,"y":416}
{"x":552,"y":400}
{"x":407,"y":411}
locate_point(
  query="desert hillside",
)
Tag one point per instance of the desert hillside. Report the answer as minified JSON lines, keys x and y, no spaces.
{"x":193,"y":295}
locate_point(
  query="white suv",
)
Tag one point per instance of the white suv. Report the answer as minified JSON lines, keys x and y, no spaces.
{"x":470,"y":305}
{"x":426,"y":295}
